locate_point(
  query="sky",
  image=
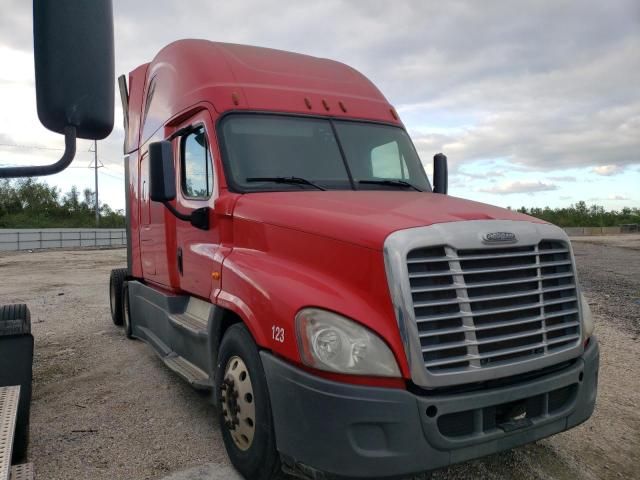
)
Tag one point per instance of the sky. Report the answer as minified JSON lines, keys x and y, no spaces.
{"x":535,"y":103}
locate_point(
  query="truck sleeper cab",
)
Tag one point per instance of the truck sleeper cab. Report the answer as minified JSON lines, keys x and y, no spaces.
{"x":287,"y":252}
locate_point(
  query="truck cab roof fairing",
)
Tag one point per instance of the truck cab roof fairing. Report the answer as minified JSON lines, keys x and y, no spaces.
{"x":241,"y":77}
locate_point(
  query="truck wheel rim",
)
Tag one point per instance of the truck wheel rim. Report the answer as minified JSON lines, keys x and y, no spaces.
{"x":238,"y":403}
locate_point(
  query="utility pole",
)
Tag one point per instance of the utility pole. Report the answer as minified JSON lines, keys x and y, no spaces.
{"x":95,"y":169}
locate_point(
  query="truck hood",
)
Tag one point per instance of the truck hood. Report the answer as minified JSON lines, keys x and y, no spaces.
{"x":364,"y":218}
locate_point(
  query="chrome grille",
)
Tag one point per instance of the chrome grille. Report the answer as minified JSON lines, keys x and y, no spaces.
{"x":487,"y":307}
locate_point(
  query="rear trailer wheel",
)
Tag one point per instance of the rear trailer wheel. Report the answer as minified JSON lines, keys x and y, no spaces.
{"x":126,"y":311}
{"x":15,"y":320}
{"x":244,"y":408}
{"x":116,"y":282}
{"x":16,"y":358}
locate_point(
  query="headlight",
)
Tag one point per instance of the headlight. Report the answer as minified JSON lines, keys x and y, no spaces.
{"x":331,"y":342}
{"x":587,"y":318}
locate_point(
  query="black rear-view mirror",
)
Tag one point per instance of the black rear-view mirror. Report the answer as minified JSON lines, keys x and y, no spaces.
{"x":74,"y":63}
{"x":162,"y":184}
{"x":440,"y":174}
{"x":162,"y":173}
{"x":73,"y":48}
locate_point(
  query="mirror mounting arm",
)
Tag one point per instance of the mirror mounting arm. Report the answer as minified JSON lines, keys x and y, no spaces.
{"x":199,"y":218}
{"x":41,"y":170}
{"x":176,"y":213}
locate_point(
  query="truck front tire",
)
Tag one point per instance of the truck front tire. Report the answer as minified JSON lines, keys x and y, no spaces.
{"x":116,"y":282}
{"x":244,"y":408}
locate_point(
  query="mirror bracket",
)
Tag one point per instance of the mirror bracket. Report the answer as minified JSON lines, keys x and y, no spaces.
{"x":199,"y":218}
{"x":41,"y":170}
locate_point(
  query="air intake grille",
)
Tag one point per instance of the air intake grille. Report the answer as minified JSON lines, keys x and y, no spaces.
{"x":487,"y":307}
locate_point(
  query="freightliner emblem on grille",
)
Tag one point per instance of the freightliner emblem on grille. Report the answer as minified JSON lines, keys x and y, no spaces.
{"x":499,"y":237}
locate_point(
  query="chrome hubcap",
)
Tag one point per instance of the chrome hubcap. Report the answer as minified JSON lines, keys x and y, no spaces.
{"x":238,"y":407}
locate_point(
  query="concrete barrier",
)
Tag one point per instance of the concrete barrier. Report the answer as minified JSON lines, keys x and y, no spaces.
{"x":35,"y":239}
{"x":593,"y":231}
{"x":574,"y":231}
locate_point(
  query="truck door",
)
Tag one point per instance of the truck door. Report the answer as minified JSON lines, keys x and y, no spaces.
{"x":197,"y":187}
{"x":146,"y":236}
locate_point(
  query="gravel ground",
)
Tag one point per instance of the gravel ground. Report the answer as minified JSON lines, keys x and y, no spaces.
{"x":107,"y":408}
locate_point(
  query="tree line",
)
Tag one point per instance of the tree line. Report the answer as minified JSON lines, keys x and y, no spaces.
{"x":581,"y":215}
{"x":29,"y":203}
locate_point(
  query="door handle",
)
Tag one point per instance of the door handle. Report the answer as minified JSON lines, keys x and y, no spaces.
{"x":179,"y":255}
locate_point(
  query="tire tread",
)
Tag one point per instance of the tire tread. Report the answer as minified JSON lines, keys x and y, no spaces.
{"x":116,"y":281}
{"x":15,"y":320}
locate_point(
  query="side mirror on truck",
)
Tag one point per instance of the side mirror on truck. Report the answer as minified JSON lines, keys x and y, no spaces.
{"x":162,"y":184}
{"x":440,"y":174}
{"x":74,"y":62}
{"x":162,"y":174}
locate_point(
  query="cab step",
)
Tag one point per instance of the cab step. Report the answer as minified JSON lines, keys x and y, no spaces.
{"x":187,"y":370}
{"x":197,"y":326}
{"x":22,"y":472}
{"x":194,"y":319}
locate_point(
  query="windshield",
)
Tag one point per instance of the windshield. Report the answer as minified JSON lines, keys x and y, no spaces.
{"x":265,"y":152}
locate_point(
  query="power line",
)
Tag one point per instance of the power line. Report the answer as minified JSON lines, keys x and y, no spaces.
{"x":39,"y":147}
{"x":113,"y":176}
{"x":21,"y":165}
{"x":31,"y":147}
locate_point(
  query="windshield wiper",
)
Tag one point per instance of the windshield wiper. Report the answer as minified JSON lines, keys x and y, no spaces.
{"x":289,"y":180}
{"x":391,"y":182}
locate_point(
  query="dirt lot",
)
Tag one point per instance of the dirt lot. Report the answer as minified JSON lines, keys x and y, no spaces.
{"x":107,"y":408}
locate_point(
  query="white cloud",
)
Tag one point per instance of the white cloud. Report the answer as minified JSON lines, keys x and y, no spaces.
{"x":520,"y":187}
{"x":487,"y":175}
{"x":618,"y":197}
{"x":562,"y":178}
{"x":607,"y":170}
{"x":527,"y":82}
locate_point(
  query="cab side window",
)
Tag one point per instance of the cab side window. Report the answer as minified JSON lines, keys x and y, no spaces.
{"x":196,"y":167}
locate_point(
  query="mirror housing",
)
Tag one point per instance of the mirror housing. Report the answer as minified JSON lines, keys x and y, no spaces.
{"x":162,"y":184}
{"x":74,"y":60}
{"x":73,"y":46}
{"x":162,"y":173}
{"x":440,"y":174}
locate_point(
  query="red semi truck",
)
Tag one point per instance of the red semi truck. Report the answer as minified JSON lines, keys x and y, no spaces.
{"x":287,"y":252}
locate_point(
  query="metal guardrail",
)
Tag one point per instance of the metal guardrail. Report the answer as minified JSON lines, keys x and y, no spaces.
{"x":588,"y":231}
{"x":34,"y":239}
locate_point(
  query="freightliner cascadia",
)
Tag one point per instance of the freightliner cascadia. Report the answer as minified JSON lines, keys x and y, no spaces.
{"x":287,"y":252}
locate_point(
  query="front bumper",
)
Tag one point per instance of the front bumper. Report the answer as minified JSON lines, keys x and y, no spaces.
{"x":330,"y":429}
